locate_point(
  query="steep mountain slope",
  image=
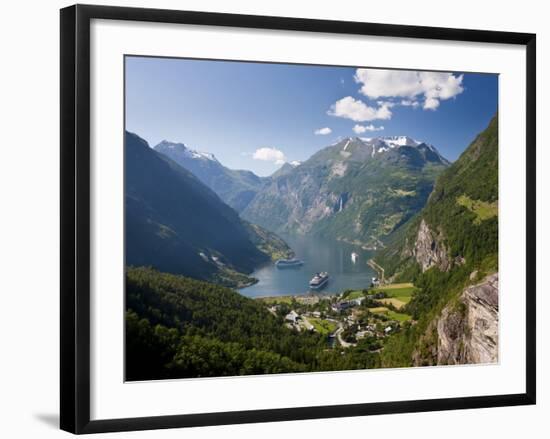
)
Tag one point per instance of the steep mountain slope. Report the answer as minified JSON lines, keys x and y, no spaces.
{"x":460,"y":221}
{"x":450,"y":251}
{"x":178,"y":225}
{"x":358,"y":190}
{"x":235,"y":187}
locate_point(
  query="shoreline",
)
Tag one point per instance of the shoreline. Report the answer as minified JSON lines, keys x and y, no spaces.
{"x":242,"y":285}
{"x":300,"y":298}
{"x":378,"y":268}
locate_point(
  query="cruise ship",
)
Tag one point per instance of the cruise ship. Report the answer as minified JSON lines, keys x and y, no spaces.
{"x":319,"y":280}
{"x":284,"y":263}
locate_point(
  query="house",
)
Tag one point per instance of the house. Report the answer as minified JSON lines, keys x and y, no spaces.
{"x":387,"y":329}
{"x":292,"y":316}
{"x":316,"y":314}
{"x":341,"y":306}
{"x":346,"y":304}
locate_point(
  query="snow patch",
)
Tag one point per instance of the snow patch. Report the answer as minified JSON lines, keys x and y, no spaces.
{"x":394,"y":141}
{"x":181,"y":148}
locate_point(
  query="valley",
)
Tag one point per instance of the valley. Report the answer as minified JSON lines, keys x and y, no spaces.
{"x":408,"y":239}
{"x":287,"y":217}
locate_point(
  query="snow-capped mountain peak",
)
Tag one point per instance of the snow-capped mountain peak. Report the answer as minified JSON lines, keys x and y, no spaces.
{"x":385,"y":143}
{"x":181,"y":148}
{"x":166,"y":144}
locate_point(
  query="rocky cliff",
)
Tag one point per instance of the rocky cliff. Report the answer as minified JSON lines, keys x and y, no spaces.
{"x":429,"y":249}
{"x":466,"y":332}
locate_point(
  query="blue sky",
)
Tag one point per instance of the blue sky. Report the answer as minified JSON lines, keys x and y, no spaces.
{"x":255,"y":116}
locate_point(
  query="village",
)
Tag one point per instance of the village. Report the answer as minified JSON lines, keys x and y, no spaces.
{"x":354,"y":317}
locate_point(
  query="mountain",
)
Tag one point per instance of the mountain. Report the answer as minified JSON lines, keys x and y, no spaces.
{"x":235,"y":187}
{"x":358,"y":190}
{"x":177,"y":224}
{"x":450,"y":251}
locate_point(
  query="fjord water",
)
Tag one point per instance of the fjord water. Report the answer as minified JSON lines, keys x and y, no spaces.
{"x":319,"y":254}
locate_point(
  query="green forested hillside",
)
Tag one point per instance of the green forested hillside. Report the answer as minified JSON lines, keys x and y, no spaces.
{"x":462,"y":217}
{"x":179,"y":327}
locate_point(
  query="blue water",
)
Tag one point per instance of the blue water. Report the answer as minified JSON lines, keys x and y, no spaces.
{"x":318,"y":254}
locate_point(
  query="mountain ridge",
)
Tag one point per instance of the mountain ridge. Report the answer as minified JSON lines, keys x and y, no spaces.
{"x":177,"y":224}
{"x":354,"y":190}
{"x":235,"y":187}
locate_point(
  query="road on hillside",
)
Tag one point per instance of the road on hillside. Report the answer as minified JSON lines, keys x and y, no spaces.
{"x":338,"y":334}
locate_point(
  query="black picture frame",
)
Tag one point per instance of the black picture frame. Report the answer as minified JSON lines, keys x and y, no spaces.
{"x":75,"y":217}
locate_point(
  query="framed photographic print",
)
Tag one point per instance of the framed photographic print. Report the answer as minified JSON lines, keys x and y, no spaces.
{"x":302,"y":218}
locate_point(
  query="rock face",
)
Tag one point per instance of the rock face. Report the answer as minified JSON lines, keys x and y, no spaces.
{"x":429,"y":249}
{"x":468,"y":332}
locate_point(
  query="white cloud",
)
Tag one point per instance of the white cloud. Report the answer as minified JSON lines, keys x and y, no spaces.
{"x":431,"y":104}
{"x":358,"y":111}
{"x":360,"y":129}
{"x":409,"y":103}
{"x":432,"y":86}
{"x":269,"y":155}
{"x":323,"y":131}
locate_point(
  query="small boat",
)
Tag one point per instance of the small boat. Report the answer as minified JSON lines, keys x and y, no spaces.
{"x":319,"y":280}
{"x":354,"y":257}
{"x":284,"y":263}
